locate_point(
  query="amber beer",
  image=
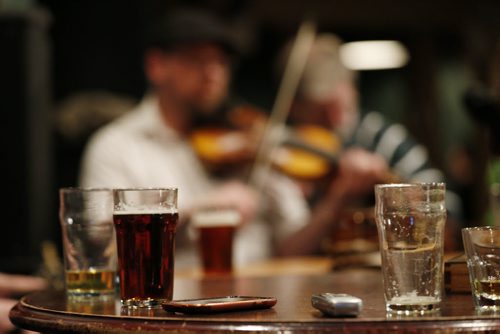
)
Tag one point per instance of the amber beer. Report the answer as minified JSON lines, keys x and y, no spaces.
{"x":145,"y":255}
{"x":89,"y":246}
{"x":216,"y":228}
{"x":90,"y":282}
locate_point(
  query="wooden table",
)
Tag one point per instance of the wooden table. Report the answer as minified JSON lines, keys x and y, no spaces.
{"x":50,"y":312}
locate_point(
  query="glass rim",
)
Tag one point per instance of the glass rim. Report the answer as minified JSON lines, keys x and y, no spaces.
{"x":411,"y":185}
{"x":480,"y":228}
{"x":146,"y":189}
{"x":84,"y":189}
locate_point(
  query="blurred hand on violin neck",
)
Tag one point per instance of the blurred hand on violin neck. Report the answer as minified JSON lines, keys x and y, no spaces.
{"x":358,"y":171}
{"x":234,"y":194}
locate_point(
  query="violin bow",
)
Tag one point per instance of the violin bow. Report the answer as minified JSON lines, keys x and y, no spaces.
{"x":274,"y":131}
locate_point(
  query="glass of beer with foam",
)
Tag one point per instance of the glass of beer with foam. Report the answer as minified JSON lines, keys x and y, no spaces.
{"x":145,"y":220}
{"x":216,"y":227}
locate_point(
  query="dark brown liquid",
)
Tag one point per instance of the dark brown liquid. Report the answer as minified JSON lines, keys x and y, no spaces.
{"x":146,"y":254}
{"x":216,"y":245}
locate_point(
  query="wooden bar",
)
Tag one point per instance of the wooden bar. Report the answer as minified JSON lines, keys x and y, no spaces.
{"x":50,"y":311}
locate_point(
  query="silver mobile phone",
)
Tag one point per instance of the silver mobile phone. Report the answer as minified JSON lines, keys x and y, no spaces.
{"x":337,"y":304}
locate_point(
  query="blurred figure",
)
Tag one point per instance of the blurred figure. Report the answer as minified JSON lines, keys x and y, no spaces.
{"x":482,"y":101}
{"x":188,"y":62}
{"x":374,"y":150}
{"x":462,"y":170}
{"x":12,"y":286}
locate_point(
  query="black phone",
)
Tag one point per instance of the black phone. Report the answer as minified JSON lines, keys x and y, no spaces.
{"x":218,"y":304}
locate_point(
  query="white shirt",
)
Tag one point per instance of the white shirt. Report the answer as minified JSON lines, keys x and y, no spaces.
{"x":140,"y":150}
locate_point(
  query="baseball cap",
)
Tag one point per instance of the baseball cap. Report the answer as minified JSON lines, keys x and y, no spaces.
{"x":189,"y":26}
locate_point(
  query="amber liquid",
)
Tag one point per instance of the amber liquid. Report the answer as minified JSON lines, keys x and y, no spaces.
{"x":487,"y":293}
{"x":216,"y":245}
{"x":145,"y":255}
{"x":90,"y":282}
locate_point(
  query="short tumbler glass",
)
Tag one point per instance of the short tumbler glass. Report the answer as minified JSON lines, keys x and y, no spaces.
{"x":482,"y":249}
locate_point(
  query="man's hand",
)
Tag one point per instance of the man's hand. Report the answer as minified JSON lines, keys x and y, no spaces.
{"x":359,"y":171}
{"x":237,"y":195}
{"x":12,"y":285}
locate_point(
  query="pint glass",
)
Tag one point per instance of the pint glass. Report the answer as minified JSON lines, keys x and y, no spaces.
{"x":216,"y":228}
{"x":86,"y":217}
{"x":410,"y":220}
{"x":145,"y":222}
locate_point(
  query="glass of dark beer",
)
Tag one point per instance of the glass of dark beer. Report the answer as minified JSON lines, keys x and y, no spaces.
{"x":145,"y":223}
{"x":216,"y":228}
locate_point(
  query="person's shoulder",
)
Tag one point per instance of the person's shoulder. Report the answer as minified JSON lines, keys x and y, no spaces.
{"x":370,"y":122}
{"x":376,"y":121}
{"x":373,"y":116}
{"x":127,"y":125}
{"x":112,"y":129}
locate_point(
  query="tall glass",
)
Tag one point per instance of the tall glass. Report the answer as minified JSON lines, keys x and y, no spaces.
{"x":86,"y":217}
{"x":410,"y":221}
{"x":145,"y":222}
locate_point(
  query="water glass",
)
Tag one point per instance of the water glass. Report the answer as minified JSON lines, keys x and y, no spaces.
{"x":410,"y":222}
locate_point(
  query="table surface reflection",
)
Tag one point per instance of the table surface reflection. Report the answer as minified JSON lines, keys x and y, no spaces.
{"x":50,"y":311}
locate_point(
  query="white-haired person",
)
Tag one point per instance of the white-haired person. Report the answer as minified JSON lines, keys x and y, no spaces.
{"x":374,"y":150}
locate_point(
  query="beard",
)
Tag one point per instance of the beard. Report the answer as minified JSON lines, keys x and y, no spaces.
{"x":209,"y":115}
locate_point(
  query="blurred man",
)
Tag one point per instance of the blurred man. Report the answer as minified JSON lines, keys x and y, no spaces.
{"x":188,"y":65}
{"x":374,"y":150}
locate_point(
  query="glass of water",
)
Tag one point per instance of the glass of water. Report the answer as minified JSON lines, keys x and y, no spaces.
{"x":410,"y":221}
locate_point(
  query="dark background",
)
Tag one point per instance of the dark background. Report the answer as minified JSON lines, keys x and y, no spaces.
{"x":53,"y":50}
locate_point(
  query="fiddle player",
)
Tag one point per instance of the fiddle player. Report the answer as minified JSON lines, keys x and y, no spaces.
{"x":187,"y":63}
{"x":374,"y":150}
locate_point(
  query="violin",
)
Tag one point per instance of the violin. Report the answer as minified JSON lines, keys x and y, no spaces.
{"x":230,"y":143}
{"x":307,"y":152}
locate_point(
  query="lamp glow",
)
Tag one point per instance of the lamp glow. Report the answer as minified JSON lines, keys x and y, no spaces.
{"x":373,"y":55}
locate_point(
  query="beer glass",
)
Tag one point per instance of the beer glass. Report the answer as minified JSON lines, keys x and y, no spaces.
{"x":145,"y":222}
{"x":86,"y":218}
{"x":216,"y":228}
{"x":482,"y":249}
{"x":410,"y":221}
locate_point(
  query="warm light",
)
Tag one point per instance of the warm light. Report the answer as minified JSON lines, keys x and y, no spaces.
{"x":373,"y":55}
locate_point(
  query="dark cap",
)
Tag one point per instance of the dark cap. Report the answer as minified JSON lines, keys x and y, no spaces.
{"x":189,"y":26}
